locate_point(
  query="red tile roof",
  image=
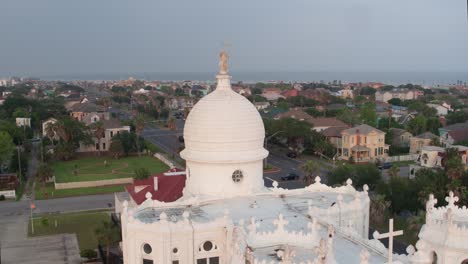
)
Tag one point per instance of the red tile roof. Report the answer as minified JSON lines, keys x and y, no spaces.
{"x":290,"y":93}
{"x":169,"y":189}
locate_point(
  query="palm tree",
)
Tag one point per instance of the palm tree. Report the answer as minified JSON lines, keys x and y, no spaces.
{"x":378,"y":207}
{"x":98,"y":132}
{"x":139,"y":126}
{"x":50,"y":131}
{"x":171,"y":123}
{"x":416,"y":221}
{"x":108,"y":234}
{"x":394,"y":171}
{"x":310,"y":168}
{"x":43,"y":174}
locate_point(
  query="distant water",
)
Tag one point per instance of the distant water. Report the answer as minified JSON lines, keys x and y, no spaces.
{"x":422,"y":78}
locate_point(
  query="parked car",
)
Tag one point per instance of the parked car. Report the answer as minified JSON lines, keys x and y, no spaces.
{"x":290,"y":177}
{"x":385,"y":166}
{"x":292,"y":155}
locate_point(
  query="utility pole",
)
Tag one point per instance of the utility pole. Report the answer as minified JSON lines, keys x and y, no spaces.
{"x":19,"y":163}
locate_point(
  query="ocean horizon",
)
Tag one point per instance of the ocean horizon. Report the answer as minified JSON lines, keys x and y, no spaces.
{"x":395,"y":78}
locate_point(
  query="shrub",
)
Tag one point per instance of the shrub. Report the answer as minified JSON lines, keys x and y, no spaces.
{"x":2,"y":197}
{"x":142,"y":173}
{"x":88,"y":253}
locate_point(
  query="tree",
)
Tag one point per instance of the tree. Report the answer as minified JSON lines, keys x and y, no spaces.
{"x":395,"y":101}
{"x":44,"y":173}
{"x":139,"y":126}
{"x":394,"y":171}
{"x":417,"y":125}
{"x":456,"y":117}
{"x":7,"y":149}
{"x":116,"y":147}
{"x":378,"y":207}
{"x":368,"y":115}
{"x":98,"y":132}
{"x":142,"y":173}
{"x":108,"y":234}
{"x":360,"y":174}
{"x":310,"y":168}
{"x":453,"y":164}
{"x":348,"y":117}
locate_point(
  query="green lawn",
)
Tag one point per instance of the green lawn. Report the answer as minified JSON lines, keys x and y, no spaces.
{"x":52,"y":193}
{"x":94,"y":168}
{"x":81,"y":223}
{"x":403,"y":163}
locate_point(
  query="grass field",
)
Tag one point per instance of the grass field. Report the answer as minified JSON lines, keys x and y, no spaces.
{"x":81,"y":223}
{"x":94,"y":168}
{"x":52,"y":193}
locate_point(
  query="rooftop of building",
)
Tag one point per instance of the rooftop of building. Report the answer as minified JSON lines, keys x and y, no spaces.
{"x":361,"y":129}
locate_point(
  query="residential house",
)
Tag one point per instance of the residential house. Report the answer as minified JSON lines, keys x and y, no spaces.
{"x":363,"y":143}
{"x":333,"y":135}
{"x":180,"y":102}
{"x":420,"y":141}
{"x":261,"y":105}
{"x":318,"y":124}
{"x":431,"y":157}
{"x":272,"y":94}
{"x":79,"y":111}
{"x":112,"y":127}
{"x":400,"y":137}
{"x":290,"y":93}
{"x":23,"y":122}
{"x":318,"y":94}
{"x":398,"y":111}
{"x":245,"y":91}
{"x":90,"y":113}
{"x":347,"y":93}
{"x":402,"y":94}
{"x":452,"y":134}
{"x":442,"y":109}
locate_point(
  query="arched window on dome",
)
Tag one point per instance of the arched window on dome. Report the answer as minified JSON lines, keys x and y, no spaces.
{"x":237,"y":176}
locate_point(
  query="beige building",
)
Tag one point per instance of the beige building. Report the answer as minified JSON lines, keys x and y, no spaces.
{"x":402,"y":94}
{"x":420,"y":141}
{"x":363,"y":143}
{"x":400,"y":137}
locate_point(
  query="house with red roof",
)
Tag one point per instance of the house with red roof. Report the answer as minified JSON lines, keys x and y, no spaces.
{"x":290,"y":93}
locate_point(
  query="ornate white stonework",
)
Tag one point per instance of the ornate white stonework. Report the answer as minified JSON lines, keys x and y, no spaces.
{"x":224,"y":133}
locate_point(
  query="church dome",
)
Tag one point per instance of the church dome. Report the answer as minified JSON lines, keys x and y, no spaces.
{"x":224,"y":127}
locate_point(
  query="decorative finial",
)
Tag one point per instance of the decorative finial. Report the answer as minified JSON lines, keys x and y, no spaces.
{"x":223,"y":62}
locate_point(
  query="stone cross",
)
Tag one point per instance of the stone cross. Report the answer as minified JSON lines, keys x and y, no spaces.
{"x":280,"y":223}
{"x":451,"y":200}
{"x":391,"y":233}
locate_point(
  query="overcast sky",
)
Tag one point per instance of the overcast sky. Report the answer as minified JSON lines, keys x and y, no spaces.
{"x":52,"y":37}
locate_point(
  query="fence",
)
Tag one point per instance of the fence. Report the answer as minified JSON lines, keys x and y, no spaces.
{"x":8,"y":193}
{"x":410,"y":157}
{"x":84,"y":184}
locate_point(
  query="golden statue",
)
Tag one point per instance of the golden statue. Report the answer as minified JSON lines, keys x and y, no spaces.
{"x":223,"y":62}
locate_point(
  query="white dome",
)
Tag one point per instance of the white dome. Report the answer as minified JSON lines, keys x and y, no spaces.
{"x":224,"y":127}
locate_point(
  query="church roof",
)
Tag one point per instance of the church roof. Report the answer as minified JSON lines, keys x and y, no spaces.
{"x":169,"y":188}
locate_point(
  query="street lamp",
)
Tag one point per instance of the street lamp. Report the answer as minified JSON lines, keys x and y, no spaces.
{"x":265,"y":163}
